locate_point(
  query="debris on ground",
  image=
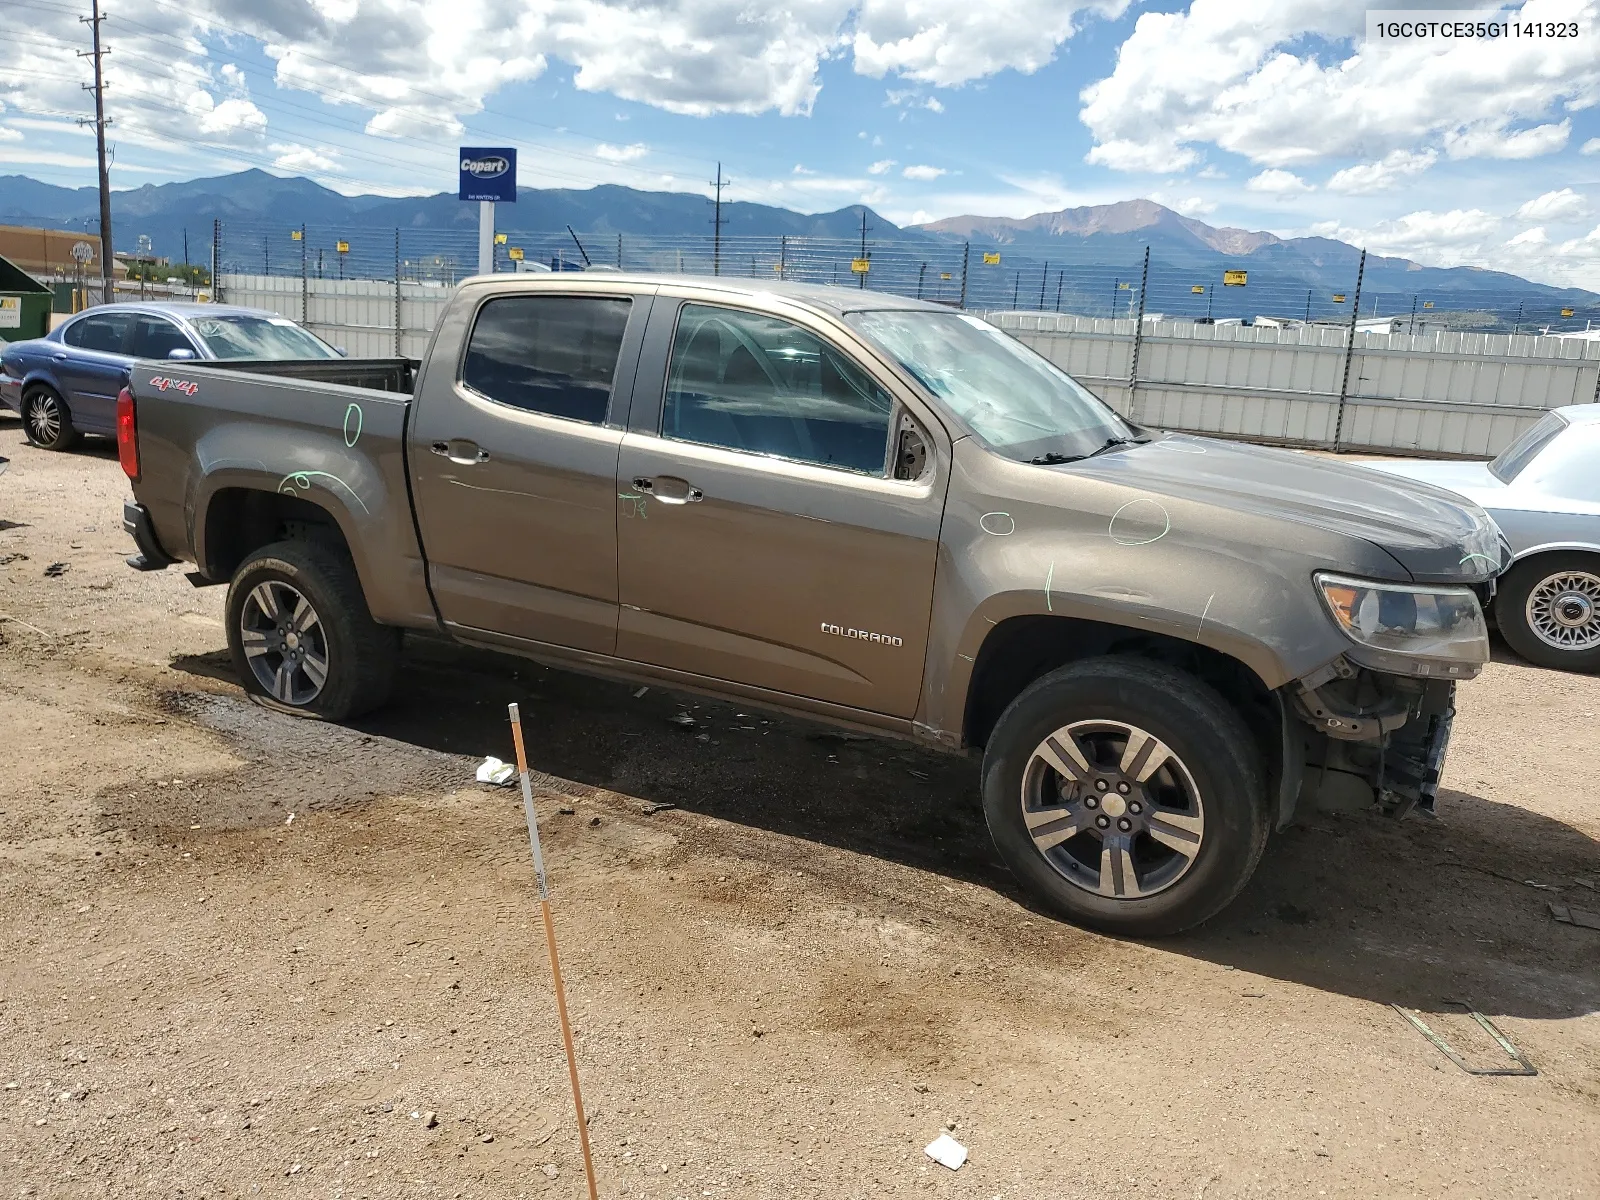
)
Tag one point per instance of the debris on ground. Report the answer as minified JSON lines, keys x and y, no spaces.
{"x":946,"y":1151}
{"x":56,"y":570}
{"x":685,"y":721}
{"x":1575,"y":916}
{"x":640,"y":692}
{"x":7,"y":559}
{"x":1543,"y":887}
{"x":492,"y":770}
{"x":594,"y":822}
{"x":566,"y":810}
{"x":659,"y":806}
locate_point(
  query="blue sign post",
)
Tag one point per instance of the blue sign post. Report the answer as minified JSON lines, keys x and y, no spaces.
{"x":488,"y":175}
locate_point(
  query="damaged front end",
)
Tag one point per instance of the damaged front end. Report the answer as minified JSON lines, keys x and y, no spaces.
{"x":1371,"y":727}
{"x":1365,"y":738}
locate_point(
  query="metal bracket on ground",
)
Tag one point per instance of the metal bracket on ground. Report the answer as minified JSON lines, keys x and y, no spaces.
{"x":1523,"y":1067}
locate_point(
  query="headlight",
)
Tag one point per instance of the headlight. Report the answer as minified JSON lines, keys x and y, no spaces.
{"x":1416,"y":622}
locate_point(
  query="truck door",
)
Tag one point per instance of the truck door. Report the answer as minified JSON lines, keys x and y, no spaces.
{"x":513,"y":457}
{"x":762,"y":539}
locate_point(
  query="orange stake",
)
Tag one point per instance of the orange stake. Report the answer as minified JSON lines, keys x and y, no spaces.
{"x":550,"y":941}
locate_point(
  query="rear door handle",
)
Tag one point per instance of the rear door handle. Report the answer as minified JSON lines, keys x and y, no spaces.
{"x":461,"y":452}
{"x":668,"y":489}
{"x":58,"y":358}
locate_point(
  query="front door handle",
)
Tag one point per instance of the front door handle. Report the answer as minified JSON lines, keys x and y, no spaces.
{"x":668,"y":489}
{"x":461,"y":452}
{"x":58,"y":358}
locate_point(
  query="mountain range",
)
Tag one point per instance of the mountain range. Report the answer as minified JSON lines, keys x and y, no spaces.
{"x":1108,"y":235}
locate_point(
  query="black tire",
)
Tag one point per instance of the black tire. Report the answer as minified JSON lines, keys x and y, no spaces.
{"x":1214,"y":753}
{"x":1511,"y":610}
{"x":46,"y":420}
{"x":359,"y":657}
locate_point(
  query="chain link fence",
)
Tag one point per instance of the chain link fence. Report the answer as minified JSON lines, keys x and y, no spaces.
{"x":965,"y":274}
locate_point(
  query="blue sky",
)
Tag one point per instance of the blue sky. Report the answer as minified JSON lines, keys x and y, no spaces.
{"x":1279,"y":116}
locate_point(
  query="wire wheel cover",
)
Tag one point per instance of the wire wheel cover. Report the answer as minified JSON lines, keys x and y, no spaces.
{"x":1563,"y":610}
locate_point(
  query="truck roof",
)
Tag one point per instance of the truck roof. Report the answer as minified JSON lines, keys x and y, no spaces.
{"x":834,"y":299}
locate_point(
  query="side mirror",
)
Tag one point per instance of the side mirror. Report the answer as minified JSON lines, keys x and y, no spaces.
{"x":341,"y":352}
{"x":180,"y":352}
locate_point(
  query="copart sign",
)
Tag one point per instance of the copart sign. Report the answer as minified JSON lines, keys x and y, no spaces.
{"x":489,"y":173}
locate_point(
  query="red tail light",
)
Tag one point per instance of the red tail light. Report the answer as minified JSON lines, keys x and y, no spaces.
{"x":127,"y":435}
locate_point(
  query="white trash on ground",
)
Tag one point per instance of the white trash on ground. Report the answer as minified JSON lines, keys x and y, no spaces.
{"x":947,"y":1152}
{"x":492,"y":770}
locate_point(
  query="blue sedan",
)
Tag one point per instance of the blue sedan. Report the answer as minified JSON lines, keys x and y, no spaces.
{"x":66,"y":383}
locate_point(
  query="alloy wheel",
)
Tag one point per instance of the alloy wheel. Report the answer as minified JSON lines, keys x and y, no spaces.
{"x":1563,"y":610}
{"x":44,"y":418}
{"x":1112,"y":809}
{"x":285,"y":643}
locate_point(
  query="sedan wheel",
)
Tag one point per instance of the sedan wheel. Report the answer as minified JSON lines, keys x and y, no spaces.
{"x":1548,"y":610}
{"x":46,"y":422}
{"x":285,"y":643}
{"x":1563,"y":610}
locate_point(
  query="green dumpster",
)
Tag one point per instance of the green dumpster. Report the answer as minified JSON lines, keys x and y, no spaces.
{"x":25,"y":304}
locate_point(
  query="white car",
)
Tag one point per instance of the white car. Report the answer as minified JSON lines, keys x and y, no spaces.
{"x":1544,"y":493}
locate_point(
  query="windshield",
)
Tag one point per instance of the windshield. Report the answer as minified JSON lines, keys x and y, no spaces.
{"x":1526,"y":448}
{"x":1021,"y":404}
{"x":260,"y":337}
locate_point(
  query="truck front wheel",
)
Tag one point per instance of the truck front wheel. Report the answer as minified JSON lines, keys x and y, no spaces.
{"x":1126,"y":795}
{"x":301,"y":637}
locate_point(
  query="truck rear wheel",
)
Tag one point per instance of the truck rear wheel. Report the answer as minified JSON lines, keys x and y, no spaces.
{"x":301,"y":636}
{"x":1126,"y":795}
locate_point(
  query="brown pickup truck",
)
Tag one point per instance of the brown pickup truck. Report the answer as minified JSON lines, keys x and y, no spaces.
{"x":850,"y":507}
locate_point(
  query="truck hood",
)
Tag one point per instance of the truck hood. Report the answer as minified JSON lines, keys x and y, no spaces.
{"x":1435,"y":534}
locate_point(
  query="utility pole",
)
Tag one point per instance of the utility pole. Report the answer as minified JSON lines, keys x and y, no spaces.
{"x":100,"y":123}
{"x":863,"y":274}
{"x":1044,"y":281}
{"x":716,"y":222}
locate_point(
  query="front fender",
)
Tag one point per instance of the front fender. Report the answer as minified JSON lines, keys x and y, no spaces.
{"x":1060,"y":544}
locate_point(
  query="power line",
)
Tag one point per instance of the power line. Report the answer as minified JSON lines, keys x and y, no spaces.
{"x":100,"y":123}
{"x":717,"y":222}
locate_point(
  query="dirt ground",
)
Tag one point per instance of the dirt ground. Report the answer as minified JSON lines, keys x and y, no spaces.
{"x":242,"y":954}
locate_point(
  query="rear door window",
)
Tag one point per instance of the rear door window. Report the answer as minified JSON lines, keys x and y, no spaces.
{"x":157,"y":337}
{"x":107,"y":332}
{"x":555,"y":355}
{"x":766,"y":386}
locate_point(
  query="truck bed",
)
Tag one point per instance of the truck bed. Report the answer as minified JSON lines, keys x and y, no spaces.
{"x":378,"y":374}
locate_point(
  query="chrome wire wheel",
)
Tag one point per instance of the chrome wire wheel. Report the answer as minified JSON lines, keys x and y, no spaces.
{"x":44,"y":418}
{"x":1563,"y":610}
{"x":1112,"y":809}
{"x":284,"y":642}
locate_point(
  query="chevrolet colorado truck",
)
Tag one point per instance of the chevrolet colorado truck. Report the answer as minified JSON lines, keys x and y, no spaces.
{"x":851,"y":507}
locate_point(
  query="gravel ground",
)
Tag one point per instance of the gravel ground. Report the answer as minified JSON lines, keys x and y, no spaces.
{"x":242,"y":954}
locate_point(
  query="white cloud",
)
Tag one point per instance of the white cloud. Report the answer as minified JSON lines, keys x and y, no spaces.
{"x":410,"y":121}
{"x":1489,"y":139}
{"x":232,"y":118}
{"x":1212,"y":172}
{"x":1295,"y":82}
{"x":621,"y":154}
{"x":1386,"y":173}
{"x":303,"y":159}
{"x":1592,"y":146}
{"x":923,"y":173}
{"x":1564,"y":205}
{"x":933,"y":105}
{"x":7,"y":134}
{"x":1530,"y":237}
{"x":882,"y":167}
{"x":1193,"y":206}
{"x":1274,"y":182}
{"x":951,"y":42}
